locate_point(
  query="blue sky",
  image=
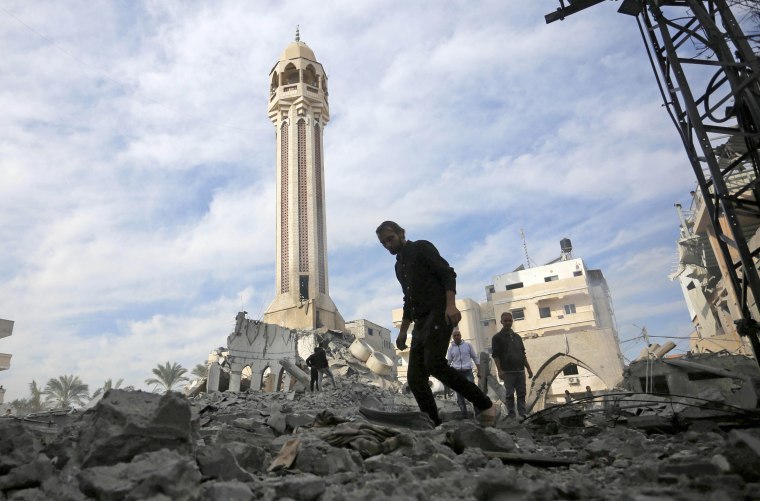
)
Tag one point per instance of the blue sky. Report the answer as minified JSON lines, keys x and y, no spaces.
{"x":137,"y":165}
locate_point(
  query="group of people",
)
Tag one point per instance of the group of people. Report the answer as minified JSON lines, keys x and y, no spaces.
{"x":428,"y":284}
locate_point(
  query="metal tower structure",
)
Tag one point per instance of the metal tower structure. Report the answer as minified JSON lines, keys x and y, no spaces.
{"x":709,"y":79}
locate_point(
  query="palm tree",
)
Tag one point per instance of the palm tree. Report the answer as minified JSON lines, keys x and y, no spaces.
{"x":66,"y":391}
{"x":168,"y":376}
{"x":35,"y":401}
{"x":108,"y":385}
{"x":200,"y":370}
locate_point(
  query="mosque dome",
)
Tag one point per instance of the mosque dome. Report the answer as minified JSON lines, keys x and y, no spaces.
{"x":297,"y":49}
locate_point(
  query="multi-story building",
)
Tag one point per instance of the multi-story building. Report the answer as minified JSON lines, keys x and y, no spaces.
{"x":563,"y":311}
{"x":6,"y":329}
{"x":378,"y":337}
{"x":712,"y":305}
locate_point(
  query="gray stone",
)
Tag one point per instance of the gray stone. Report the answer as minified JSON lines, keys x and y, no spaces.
{"x":306,"y":487}
{"x":226,"y":491}
{"x":382,"y":463}
{"x":27,"y":475}
{"x":218,"y":463}
{"x":251,"y":458}
{"x":17,"y":446}
{"x":126,"y":423}
{"x":319,"y":458}
{"x":161,"y":473}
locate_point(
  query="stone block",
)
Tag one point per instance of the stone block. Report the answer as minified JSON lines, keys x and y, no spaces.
{"x":17,"y":446}
{"x":217,"y":463}
{"x":162,"y":473}
{"x":226,"y":491}
{"x":125,"y":423}
{"x":305,"y":487}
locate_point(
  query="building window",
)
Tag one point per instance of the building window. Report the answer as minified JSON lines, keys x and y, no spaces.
{"x":518,"y":285}
{"x":492,"y":289}
{"x":551,"y":278}
{"x":518,"y":314}
{"x":577,"y":273}
{"x":544,"y":312}
{"x":486,"y":322}
{"x":569,"y":308}
{"x":303,"y":283}
{"x":369,"y":331}
{"x":303,"y":196}
{"x":570,"y":370}
{"x":284,"y":204}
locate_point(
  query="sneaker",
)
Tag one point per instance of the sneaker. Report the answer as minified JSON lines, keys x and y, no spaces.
{"x":488,"y":416}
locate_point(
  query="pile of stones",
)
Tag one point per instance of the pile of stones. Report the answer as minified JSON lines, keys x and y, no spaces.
{"x":319,"y":446}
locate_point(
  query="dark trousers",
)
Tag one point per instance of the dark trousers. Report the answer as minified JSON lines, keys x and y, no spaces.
{"x":514,"y":382}
{"x":427,"y":357}
{"x":461,"y":402}
{"x":314,"y":378}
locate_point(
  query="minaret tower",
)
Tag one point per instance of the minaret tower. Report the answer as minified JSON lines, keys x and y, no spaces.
{"x":299,"y":110}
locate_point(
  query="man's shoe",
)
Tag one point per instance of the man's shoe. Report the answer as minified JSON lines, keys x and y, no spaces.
{"x":488,"y":416}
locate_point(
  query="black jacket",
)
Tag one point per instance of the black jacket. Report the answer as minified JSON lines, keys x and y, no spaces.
{"x":424,"y":277}
{"x":318,"y":359}
{"x":508,"y":348}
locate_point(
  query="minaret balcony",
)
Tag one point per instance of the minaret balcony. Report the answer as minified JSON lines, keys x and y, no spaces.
{"x":295,"y":90}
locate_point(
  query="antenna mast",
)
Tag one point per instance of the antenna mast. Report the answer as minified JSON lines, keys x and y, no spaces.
{"x":525,"y":248}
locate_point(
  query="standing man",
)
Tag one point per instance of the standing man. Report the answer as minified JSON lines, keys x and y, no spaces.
{"x":429,"y":286}
{"x":312,"y":362}
{"x":460,"y":356}
{"x":511,"y":362}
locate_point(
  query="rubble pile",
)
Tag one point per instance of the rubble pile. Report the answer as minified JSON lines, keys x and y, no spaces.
{"x":321,"y":446}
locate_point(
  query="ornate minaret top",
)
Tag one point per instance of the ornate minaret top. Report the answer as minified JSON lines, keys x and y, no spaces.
{"x":299,"y":110}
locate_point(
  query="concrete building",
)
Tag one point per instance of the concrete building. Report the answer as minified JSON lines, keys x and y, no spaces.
{"x":6,"y":330}
{"x":378,"y":337}
{"x":299,"y":110}
{"x":710,"y":300}
{"x":564,"y":313}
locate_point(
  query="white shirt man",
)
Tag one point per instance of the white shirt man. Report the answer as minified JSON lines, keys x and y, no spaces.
{"x":460,"y":356}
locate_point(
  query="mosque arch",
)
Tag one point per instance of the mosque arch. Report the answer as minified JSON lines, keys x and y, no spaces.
{"x":545,"y":375}
{"x":275,"y":82}
{"x":291,"y":75}
{"x":266,"y":376}
{"x":310,"y":76}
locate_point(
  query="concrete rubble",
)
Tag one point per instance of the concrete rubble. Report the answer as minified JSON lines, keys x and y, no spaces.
{"x":307,"y":446}
{"x":365,"y":439}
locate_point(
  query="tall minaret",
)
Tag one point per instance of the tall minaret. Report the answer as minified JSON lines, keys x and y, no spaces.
{"x":298,"y":108}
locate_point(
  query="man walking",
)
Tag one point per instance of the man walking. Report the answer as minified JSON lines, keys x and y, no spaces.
{"x":509,"y":355}
{"x":460,"y":356}
{"x":429,"y":287}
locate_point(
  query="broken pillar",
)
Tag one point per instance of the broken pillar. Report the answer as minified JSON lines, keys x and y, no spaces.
{"x":294,"y":371}
{"x":214,"y":372}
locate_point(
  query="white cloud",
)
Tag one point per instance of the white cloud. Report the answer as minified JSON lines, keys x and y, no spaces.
{"x":137,"y":164}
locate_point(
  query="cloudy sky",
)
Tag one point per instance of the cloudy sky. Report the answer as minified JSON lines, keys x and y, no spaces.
{"x":137,"y":165}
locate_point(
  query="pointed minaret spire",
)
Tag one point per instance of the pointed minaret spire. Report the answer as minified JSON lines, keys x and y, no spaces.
{"x":298,"y":34}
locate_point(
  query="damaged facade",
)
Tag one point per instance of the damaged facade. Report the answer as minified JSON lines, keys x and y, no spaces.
{"x":6,"y":330}
{"x":711,"y":303}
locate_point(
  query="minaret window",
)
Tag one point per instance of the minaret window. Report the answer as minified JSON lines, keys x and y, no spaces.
{"x":310,"y":76}
{"x":284,"y":256}
{"x":291,"y":74}
{"x":303,"y":201}
{"x":320,"y":210}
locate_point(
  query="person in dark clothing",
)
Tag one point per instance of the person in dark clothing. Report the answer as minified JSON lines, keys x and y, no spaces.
{"x":312,"y":362}
{"x":429,"y":287}
{"x":509,"y":355}
{"x":319,"y":363}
